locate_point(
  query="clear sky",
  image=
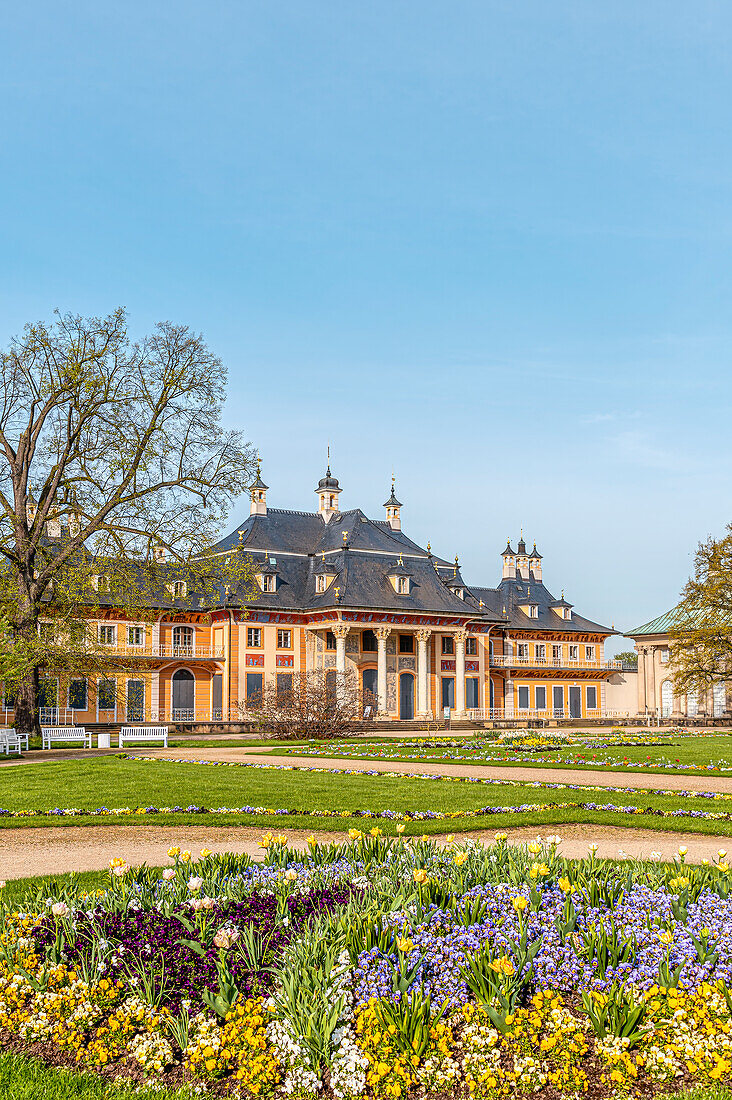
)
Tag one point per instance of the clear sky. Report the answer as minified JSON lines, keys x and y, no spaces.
{"x":484,"y":243}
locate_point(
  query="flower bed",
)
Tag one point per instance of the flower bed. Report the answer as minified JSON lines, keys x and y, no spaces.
{"x":382,"y":968}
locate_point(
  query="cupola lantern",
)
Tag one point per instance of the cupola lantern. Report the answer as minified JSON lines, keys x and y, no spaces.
{"x":258,"y":494}
{"x":328,"y":491}
{"x":393,"y":510}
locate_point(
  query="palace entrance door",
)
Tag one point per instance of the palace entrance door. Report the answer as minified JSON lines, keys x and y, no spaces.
{"x":406,"y":696}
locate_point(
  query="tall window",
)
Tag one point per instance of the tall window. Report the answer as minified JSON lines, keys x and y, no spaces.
{"x":540,"y":651}
{"x":556,"y":653}
{"x":664,"y":656}
{"x":471,"y":693}
{"x":284,"y":639}
{"x":77,"y":694}
{"x":330,"y":640}
{"x":368,"y":642}
{"x":522,"y":650}
{"x":589,"y":653}
{"x":320,"y":582}
{"x":523,"y":697}
{"x":180,"y":589}
{"x":592,"y":697}
{"x":406,"y":643}
{"x":107,"y":634}
{"x":254,"y":637}
{"x":540,"y":695}
{"x":471,"y":647}
{"x":284,"y":685}
{"x":107,"y":694}
{"x":574,"y":653}
{"x":135,"y":635}
{"x":268,"y":582}
{"x":402,"y":586}
{"x":448,"y":645}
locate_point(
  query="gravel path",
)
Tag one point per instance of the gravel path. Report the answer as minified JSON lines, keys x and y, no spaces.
{"x":716,"y":784}
{"x":58,"y":850}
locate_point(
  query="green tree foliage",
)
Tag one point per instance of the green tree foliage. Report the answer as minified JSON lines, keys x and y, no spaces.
{"x":134,"y":473}
{"x":701,"y":636}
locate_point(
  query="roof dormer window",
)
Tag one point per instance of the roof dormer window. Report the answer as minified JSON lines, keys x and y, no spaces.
{"x":533,"y":611}
{"x":321,"y":582}
{"x":268,"y":582}
{"x":400,"y":577}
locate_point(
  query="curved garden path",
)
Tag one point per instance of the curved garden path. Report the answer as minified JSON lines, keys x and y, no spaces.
{"x":643,"y":781}
{"x":61,"y":850}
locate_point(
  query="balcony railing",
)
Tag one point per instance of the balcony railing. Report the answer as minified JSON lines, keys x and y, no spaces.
{"x":480,"y":714}
{"x":512,"y":661}
{"x":171,"y":652}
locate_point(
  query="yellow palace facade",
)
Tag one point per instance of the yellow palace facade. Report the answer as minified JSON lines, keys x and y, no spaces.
{"x":340,"y":591}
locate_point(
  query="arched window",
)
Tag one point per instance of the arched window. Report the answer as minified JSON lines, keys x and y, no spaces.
{"x":667,"y":699}
{"x":183,"y":640}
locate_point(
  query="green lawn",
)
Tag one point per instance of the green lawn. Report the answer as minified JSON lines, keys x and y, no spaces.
{"x":693,"y":752}
{"x":115,"y":782}
{"x":24,"y":1078}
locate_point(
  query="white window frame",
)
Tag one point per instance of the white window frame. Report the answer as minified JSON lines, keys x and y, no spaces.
{"x":180,"y":590}
{"x":540,"y":687}
{"x":590,"y":654}
{"x":665,"y":656}
{"x":288,"y":632}
{"x":540,"y":651}
{"x":401,"y":586}
{"x":320,"y":585}
{"x":269,"y":582}
{"x":252,"y":632}
{"x":107,"y":626}
{"x":556,"y":651}
{"x":533,"y":611}
{"x":471,"y":646}
{"x":139,"y":679}
{"x":188,"y":647}
{"x":519,"y":689}
{"x":522,"y":651}
{"x":130,"y":628}
{"x":573,"y":652}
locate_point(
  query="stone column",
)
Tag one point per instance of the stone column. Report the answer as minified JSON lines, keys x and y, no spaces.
{"x":423,"y":697}
{"x":642,"y":700}
{"x":340,"y":631}
{"x":382,"y":633}
{"x":460,"y":673}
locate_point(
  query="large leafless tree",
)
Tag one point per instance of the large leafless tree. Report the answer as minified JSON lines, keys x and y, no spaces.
{"x":112,"y":457}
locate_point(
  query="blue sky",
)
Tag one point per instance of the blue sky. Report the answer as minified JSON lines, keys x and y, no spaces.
{"x":484,"y":243}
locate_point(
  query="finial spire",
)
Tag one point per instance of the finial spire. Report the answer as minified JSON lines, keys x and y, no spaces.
{"x":328,"y":470}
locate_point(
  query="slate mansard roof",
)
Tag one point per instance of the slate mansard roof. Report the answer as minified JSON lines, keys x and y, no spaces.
{"x":359,"y":555}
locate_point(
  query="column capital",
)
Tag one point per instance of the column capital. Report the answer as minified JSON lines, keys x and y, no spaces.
{"x":340,"y":630}
{"x":382,"y":632}
{"x":460,"y":636}
{"x":423,"y":635}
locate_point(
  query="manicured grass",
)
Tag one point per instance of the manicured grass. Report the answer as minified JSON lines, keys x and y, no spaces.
{"x":693,"y":752}
{"x":113,"y":782}
{"x":28,"y":1079}
{"x":19,"y":891}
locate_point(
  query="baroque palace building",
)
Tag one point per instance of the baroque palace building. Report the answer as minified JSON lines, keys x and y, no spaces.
{"x":339,"y":591}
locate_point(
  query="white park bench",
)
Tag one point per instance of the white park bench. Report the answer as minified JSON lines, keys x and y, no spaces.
{"x":10,"y":741}
{"x":65,"y":735}
{"x":143,"y":733}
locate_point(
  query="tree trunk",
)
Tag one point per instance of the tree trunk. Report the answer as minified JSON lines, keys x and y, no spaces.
{"x":26,"y":705}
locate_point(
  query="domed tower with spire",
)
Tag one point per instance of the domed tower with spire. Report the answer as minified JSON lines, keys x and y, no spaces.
{"x":535,"y":564}
{"x":522,"y":559}
{"x":328,"y":491}
{"x":509,"y":562}
{"x":393,"y":509}
{"x":258,"y":494}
